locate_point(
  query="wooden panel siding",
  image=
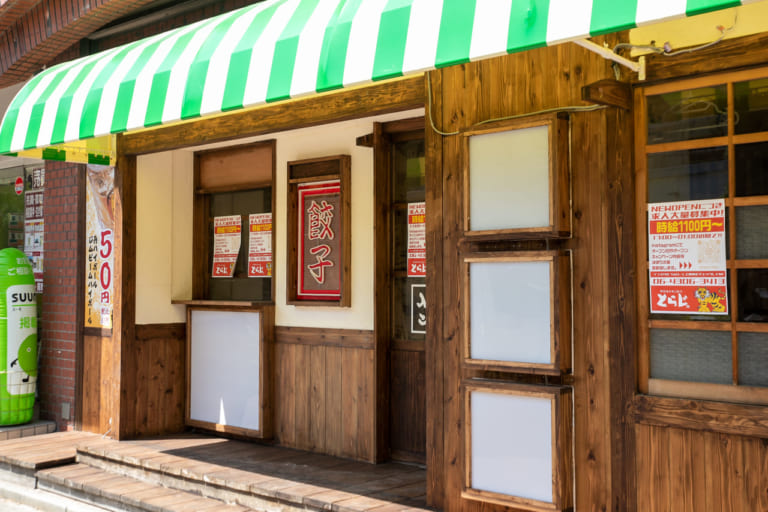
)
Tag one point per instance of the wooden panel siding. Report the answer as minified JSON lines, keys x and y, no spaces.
{"x":324,"y":391}
{"x":689,"y":471}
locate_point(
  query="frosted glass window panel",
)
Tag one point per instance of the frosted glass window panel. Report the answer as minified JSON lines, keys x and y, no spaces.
{"x":510,"y":311}
{"x":511,"y":442}
{"x":224,"y":368}
{"x":509,"y":179}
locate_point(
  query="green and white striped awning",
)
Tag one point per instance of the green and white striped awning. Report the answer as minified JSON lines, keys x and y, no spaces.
{"x":279,"y":49}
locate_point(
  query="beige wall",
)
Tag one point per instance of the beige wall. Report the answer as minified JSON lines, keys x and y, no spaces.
{"x":164,"y":231}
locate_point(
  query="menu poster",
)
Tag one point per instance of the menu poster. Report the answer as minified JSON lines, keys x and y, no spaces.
{"x":226,"y":244}
{"x":686,"y":256}
{"x":260,"y":245}
{"x":99,"y":264}
{"x":34,"y":224}
{"x":417,"y":240}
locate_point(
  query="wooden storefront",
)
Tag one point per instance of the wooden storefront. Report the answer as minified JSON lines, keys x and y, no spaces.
{"x":339,"y":377}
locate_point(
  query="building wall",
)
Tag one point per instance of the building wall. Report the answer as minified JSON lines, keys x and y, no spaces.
{"x":58,"y":340}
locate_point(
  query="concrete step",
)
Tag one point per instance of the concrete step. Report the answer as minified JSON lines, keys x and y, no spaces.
{"x":123,"y":493}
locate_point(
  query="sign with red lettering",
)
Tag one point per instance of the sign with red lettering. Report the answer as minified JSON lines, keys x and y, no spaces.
{"x":320,"y":249}
{"x":226,"y":244}
{"x":417,"y":240}
{"x":260,"y":245}
{"x":99,"y":264}
{"x":686,"y":257}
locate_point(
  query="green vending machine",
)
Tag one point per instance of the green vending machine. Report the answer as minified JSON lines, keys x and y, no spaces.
{"x":18,"y":338}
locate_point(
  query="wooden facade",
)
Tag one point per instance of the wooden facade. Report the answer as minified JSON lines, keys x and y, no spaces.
{"x":630,"y":451}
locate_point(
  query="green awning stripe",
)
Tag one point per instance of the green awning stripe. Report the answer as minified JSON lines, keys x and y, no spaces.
{"x":393,"y":34}
{"x":455,"y":32}
{"x":278,"y":49}
{"x":281,"y":75}
{"x":333,"y":54}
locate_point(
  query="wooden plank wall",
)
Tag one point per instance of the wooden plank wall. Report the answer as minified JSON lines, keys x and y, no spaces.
{"x":96,"y":396}
{"x":325,"y":394}
{"x":603,"y":362}
{"x":691,"y":470}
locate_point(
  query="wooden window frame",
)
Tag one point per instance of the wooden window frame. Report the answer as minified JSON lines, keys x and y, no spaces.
{"x":559,"y":179}
{"x":561,"y":398}
{"x":560,"y":313}
{"x":693,"y":390}
{"x":336,"y":167}
{"x":266,"y":335}
{"x":203,"y":188}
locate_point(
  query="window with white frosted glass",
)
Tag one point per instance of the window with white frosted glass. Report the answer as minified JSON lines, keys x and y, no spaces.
{"x":518,"y":451}
{"x":509,"y":179}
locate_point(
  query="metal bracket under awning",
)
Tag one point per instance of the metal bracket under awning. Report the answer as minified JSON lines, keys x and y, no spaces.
{"x":638,"y":67}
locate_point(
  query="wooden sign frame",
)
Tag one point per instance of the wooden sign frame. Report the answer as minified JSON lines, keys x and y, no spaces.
{"x":560,"y":312}
{"x":266,"y":406}
{"x":561,"y":399}
{"x":302,"y":174}
{"x":560,"y":216}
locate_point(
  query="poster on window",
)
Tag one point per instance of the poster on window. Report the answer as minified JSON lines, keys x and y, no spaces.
{"x":99,"y":255}
{"x":34,"y":226}
{"x":226,"y":244}
{"x":260,"y":245}
{"x":320,"y":248}
{"x":417,"y":240}
{"x":686,"y":257}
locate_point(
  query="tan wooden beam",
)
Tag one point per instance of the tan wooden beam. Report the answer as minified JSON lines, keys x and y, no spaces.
{"x":608,"y":92}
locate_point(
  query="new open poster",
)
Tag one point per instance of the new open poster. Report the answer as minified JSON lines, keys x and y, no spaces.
{"x":686,"y":253}
{"x":417,"y":240}
{"x":260,"y":245}
{"x":99,"y":265}
{"x":226,"y":244}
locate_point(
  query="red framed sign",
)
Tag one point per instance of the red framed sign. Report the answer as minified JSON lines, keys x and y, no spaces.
{"x":320,"y":247}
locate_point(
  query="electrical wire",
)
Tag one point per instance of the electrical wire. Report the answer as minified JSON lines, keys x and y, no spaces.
{"x":572,"y":108}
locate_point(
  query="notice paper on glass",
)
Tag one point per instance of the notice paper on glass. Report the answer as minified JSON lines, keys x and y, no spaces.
{"x":260,"y":245}
{"x":417,"y":240}
{"x":226,"y":244}
{"x":686,"y":257}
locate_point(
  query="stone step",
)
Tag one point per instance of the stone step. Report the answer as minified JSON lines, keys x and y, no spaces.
{"x":123,"y":493}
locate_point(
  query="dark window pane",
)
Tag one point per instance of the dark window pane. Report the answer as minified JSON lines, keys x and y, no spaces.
{"x":409,"y":309}
{"x":688,"y":175}
{"x":408,"y":171}
{"x":752,"y":169}
{"x":751,"y":106}
{"x":240,"y":287}
{"x":686,"y":115}
{"x":752,"y":232}
{"x":753,"y":359}
{"x":753,"y":295}
{"x":400,"y":242}
{"x":693,"y":356}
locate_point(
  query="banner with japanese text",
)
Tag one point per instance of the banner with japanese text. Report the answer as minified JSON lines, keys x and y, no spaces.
{"x":319,"y":249}
{"x":99,"y":256}
{"x":226,"y":244}
{"x":417,"y":240}
{"x":34,"y":224}
{"x":686,"y":257}
{"x":260,"y":245}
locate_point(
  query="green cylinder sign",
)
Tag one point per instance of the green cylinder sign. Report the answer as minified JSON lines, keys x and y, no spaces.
{"x":18,"y":338}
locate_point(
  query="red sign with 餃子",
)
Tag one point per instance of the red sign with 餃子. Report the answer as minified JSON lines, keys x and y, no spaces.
{"x":686,"y":257}
{"x":320,"y":233}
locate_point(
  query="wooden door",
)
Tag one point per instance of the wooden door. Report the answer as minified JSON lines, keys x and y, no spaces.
{"x":407,"y":298}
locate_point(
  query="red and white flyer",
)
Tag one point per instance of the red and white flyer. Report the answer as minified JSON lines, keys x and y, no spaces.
{"x":260,"y":245}
{"x":417,"y":240}
{"x":686,"y":257}
{"x":226,"y":244}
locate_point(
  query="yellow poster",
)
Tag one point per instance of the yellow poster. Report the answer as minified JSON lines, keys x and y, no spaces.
{"x":99,"y":251}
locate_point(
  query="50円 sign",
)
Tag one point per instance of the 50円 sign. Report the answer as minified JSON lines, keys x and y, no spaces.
{"x":686,"y":257}
{"x":320,"y":241}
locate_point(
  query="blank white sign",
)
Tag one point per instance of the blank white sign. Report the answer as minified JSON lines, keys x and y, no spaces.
{"x":509,"y":179}
{"x":512,"y":445}
{"x":510,"y":312}
{"x":224,"y":369}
